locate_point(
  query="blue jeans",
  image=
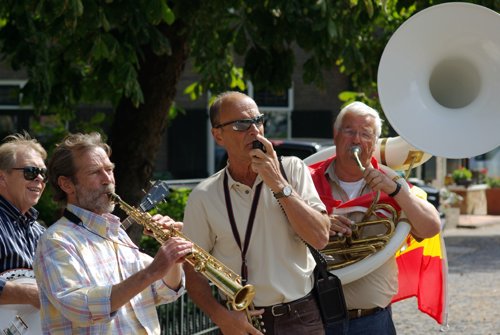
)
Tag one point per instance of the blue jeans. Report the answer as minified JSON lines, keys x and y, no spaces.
{"x":379,"y":323}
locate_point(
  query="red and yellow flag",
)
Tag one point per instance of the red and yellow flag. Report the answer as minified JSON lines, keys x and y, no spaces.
{"x":422,"y":273}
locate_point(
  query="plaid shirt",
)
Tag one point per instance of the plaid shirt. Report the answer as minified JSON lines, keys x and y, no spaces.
{"x":76,"y":267}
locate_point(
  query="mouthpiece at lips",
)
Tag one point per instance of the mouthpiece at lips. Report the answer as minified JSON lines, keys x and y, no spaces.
{"x":356,"y":149}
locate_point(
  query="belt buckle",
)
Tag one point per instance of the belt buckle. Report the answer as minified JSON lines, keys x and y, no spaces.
{"x":276,"y":314}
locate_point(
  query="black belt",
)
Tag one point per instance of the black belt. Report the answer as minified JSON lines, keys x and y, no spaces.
{"x":286,"y":307}
{"x":359,"y":313}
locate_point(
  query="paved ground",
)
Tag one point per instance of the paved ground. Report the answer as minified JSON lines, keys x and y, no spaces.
{"x":473,"y":250}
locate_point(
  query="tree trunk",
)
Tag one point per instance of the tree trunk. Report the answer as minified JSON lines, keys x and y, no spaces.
{"x":136,"y":133}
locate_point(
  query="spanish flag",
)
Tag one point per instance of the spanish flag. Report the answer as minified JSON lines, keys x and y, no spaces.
{"x":423,"y":268}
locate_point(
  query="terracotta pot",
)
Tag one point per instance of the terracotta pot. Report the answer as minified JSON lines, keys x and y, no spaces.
{"x":493,"y":200}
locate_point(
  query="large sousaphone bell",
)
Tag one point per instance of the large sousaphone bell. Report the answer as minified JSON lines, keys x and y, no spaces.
{"x":439,"y":80}
{"x":439,"y":86}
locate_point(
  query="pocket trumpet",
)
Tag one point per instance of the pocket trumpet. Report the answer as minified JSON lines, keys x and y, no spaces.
{"x":239,"y":297}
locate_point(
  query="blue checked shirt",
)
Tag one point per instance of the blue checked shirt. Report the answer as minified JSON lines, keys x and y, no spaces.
{"x":18,"y":238}
{"x":76,"y":267}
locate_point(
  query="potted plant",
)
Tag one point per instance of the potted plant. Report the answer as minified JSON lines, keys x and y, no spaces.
{"x":462,"y":176}
{"x":493,"y":195}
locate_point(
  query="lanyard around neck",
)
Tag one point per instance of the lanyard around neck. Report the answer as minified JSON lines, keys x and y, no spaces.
{"x":77,"y":221}
{"x":248,"y":233}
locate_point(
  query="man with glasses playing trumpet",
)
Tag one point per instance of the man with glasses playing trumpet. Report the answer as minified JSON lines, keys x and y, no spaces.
{"x":22,"y":181}
{"x":342,"y":181}
{"x":255,"y":220}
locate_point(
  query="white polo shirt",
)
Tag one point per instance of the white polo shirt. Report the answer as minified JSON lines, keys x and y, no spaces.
{"x":279,"y":263}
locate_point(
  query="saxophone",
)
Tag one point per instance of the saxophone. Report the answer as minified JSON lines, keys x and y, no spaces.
{"x":239,"y":297}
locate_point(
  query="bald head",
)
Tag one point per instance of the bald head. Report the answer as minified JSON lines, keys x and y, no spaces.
{"x":229,"y":97}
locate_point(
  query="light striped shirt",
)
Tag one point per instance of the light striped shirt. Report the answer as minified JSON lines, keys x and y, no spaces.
{"x":76,"y":267}
{"x":18,"y":238}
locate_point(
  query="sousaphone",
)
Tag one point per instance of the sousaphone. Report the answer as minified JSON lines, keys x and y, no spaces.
{"x":439,"y":87}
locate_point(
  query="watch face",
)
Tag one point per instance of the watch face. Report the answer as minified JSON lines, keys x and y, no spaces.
{"x":287,"y":191}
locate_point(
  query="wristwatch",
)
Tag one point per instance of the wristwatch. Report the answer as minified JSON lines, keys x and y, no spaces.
{"x":285,"y":192}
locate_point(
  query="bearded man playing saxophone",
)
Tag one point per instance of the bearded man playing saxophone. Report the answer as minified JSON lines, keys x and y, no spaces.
{"x":93,"y":279}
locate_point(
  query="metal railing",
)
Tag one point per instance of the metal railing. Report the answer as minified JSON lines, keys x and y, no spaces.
{"x":183,"y":317}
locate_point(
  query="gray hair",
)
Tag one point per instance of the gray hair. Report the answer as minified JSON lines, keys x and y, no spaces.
{"x":13,"y":144}
{"x":359,"y":108}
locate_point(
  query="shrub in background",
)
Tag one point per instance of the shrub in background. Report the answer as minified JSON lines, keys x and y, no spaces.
{"x":461,"y":175}
{"x":173,"y":207}
{"x":493,"y":182}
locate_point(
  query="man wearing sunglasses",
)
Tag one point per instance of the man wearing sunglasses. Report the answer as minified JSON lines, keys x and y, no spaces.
{"x":22,"y":181}
{"x":255,"y":219}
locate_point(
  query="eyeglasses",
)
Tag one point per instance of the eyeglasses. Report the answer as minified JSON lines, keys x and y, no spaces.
{"x":244,"y":124}
{"x":31,"y":172}
{"x":364,"y":135}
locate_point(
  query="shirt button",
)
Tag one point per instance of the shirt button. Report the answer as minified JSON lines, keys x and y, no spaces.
{"x":247,"y":191}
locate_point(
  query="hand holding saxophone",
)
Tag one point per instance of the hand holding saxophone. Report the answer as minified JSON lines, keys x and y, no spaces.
{"x":165,"y":222}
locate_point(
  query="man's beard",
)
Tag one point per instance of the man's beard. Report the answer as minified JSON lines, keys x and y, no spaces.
{"x":94,"y":201}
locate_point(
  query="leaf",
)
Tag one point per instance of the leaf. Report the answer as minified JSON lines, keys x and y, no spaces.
{"x":168,"y":15}
{"x":369,"y":7}
{"x":99,"y":49}
{"x":332,"y":28}
{"x":159,"y":43}
{"x":153,"y":11}
{"x":237,"y":78}
{"x":103,"y":21}
{"x":136,"y":94}
{"x":194,"y":90}
{"x":77,"y":8}
{"x":348,"y":96}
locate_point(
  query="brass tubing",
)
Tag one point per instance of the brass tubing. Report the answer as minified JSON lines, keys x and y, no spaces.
{"x":220,"y":275}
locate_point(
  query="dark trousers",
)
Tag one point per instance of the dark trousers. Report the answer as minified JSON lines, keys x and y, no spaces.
{"x":301,"y":316}
{"x":379,"y":323}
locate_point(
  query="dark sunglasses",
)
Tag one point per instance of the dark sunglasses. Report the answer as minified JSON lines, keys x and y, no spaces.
{"x":31,"y":172}
{"x":243,"y":124}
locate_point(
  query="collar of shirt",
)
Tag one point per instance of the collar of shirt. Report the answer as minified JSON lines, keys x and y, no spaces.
{"x":106,"y":225}
{"x":330,"y":170}
{"x":14,"y":213}
{"x":233,"y":183}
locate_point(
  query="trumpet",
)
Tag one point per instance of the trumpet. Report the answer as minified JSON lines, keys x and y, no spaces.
{"x":239,"y":297}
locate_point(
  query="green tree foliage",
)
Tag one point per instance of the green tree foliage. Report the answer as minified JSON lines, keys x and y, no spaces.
{"x":130,"y":54}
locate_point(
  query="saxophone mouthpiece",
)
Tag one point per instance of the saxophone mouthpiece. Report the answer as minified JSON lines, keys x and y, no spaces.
{"x":114,"y":197}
